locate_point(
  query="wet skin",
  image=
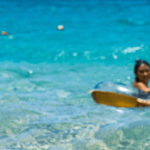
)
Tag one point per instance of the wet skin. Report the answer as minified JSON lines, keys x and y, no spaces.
{"x":143,"y":73}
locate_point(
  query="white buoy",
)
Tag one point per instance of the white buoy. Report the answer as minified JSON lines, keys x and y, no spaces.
{"x":60,"y":27}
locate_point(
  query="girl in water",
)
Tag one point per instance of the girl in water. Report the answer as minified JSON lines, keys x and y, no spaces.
{"x":142,"y":72}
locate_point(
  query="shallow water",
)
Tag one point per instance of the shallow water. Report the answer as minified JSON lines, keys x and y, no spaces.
{"x":46,"y":74}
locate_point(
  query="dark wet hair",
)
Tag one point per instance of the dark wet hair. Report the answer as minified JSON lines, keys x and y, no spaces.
{"x":137,"y":65}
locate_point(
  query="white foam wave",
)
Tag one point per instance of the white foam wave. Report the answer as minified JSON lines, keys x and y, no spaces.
{"x":62,"y":94}
{"x":131,"y":49}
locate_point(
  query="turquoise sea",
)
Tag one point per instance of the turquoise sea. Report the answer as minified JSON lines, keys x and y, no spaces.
{"x":45,"y":73}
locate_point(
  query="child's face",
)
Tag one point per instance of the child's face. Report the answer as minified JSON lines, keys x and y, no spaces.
{"x":143,"y":73}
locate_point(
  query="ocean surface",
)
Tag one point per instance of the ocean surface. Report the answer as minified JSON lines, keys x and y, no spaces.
{"x":45,"y":73}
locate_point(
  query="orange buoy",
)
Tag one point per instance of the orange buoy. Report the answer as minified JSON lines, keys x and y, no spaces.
{"x":4,"y":33}
{"x":60,"y":27}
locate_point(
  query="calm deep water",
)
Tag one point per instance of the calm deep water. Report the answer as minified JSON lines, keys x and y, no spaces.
{"x":46,"y":74}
